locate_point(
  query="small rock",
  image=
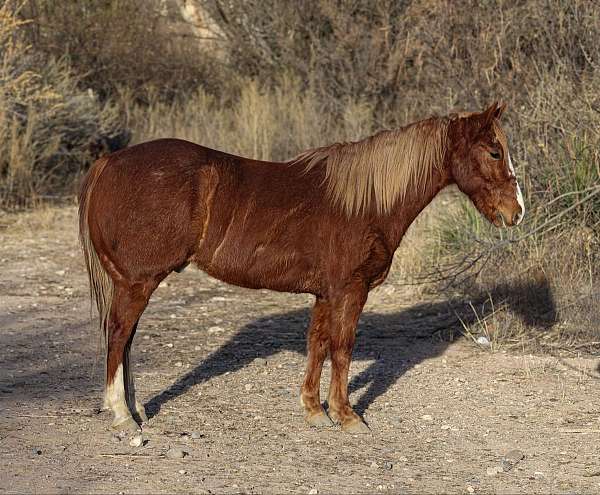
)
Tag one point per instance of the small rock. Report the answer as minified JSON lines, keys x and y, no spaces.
{"x":313,"y":491}
{"x":388,"y":466}
{"x":445,"y":427}
{"x":511,"y":459}
{"x":261,"y":361}
{"x":196,"y":435}
{"x":483,"y":341}
{"x":248,"y":387}
{"x":374,"y":465}
{"x":37,"y":451}
{"x":178,"y":364}
{"x":427,"y":417}
{"x":136,"y":441}
{"x":470,"y":489}
{"x":215,"y":329}
{"x":176,"y":453}
{"x":182,"y":471}
{"x":514,"y":456}
{"x":169,"y":344}
{"x":197,"y":348}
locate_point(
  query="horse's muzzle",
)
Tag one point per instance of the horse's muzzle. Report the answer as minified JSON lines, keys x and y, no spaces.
{"x":506,"y":219}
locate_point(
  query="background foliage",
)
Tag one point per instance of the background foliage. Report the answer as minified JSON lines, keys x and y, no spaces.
{"x":268,"y":79}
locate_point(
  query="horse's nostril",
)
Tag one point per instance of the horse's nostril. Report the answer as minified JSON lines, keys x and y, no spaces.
{"x":517,"y":218}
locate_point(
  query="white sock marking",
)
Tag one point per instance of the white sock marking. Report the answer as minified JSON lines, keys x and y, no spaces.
{"x":115,"y":395}
{"x":519,"y":194}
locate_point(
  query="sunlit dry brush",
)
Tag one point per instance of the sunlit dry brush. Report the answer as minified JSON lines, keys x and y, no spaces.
{"x":48,"y":124}
{"x":277,"y":80}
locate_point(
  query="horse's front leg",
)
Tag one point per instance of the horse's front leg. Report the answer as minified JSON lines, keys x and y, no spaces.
{"x":317,"y":349}
{"x":346,"y":310}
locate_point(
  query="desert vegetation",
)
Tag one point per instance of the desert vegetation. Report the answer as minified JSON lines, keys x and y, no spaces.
{"x":271,"y":79}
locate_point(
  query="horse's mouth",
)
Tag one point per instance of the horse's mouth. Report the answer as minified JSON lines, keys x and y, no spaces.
{"x":498,"y":219}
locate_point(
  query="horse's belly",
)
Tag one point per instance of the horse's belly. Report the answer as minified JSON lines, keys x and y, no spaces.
{"x":262,"y":267}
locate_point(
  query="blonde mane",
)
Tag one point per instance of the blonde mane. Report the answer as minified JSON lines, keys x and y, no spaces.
{"x":380,"y":168}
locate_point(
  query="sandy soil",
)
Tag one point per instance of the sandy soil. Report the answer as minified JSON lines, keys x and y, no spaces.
{"x":226,"y":363}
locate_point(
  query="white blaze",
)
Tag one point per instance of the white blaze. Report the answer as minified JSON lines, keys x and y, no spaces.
{"x":519,"y":194}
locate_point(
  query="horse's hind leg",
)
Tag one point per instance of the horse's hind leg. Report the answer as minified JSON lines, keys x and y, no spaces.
{"x":134,"y":405}
{"x":317,"y":348}
{"x":127,"y":306}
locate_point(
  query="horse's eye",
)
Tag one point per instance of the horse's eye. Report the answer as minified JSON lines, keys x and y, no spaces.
{"x":495,"y":155}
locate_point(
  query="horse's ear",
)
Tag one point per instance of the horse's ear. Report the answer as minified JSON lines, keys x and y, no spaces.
{"x":494,"y":112}
{"x":500,"y":109}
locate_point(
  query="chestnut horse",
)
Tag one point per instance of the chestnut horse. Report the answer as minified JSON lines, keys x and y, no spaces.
{"x":326,"y":223}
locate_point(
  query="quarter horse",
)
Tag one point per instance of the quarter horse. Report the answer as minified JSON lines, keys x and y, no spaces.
{"x":326,"y":223}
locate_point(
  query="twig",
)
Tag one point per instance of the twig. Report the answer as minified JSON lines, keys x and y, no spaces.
{"x":584,"y":432}
{"x":126,"y":455}
{"x":36,"y":416}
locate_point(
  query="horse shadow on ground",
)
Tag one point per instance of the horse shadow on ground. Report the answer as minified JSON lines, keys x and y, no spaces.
{"x":393,"y":343}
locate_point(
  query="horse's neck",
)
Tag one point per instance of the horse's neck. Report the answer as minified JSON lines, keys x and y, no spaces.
{"x":406,"y":211}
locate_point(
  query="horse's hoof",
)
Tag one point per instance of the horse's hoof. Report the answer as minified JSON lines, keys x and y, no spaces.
{"x":127,"y":424}
{"x":141,"y":412}
{"x":319,"y":420}
{"x":356,"y":427}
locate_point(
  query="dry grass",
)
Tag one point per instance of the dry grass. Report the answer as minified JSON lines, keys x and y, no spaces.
{"x":262,"y":123}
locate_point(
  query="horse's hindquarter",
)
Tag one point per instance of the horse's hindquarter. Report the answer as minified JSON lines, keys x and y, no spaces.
{"x":142,"y":215}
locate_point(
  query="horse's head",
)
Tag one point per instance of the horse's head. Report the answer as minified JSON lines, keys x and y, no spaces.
{"x":481,"y":166}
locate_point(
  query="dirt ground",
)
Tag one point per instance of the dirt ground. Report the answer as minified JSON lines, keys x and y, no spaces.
{"x":219,"y":369}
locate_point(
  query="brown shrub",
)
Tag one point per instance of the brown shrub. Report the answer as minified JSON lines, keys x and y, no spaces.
{"x":115,"y":44}
{"x":47,"y":124}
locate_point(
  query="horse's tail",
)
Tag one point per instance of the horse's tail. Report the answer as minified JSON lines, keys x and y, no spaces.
{"x":101,"y":284}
